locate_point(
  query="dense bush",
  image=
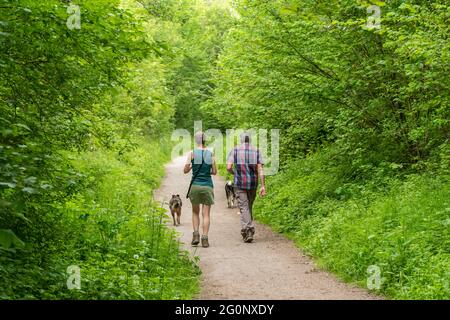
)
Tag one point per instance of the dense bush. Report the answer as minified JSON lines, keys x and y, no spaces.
{"x":112,"y":230}
{"x":365,"y":130}
{"x":401,"y":226}
{"x":77,"y":109}
{"x":317,"y":73}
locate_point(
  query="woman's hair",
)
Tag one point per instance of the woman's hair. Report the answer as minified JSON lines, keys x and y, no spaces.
{"x":200,"y":138}
{"x":245,"y":137}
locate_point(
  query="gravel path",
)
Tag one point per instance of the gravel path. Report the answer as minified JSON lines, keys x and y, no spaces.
{"x":271,"y":267}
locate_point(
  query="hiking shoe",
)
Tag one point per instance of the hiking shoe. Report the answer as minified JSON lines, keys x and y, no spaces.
{"x":195,"y":238}
{"x":249,"y":236}
{"x":243,"y":233}
{"x":205,"y":243}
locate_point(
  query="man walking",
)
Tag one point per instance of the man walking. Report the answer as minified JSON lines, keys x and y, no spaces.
{"x":245,"y":162}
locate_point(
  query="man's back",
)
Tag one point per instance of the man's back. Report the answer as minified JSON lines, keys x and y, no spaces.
{"x":245,"y":158}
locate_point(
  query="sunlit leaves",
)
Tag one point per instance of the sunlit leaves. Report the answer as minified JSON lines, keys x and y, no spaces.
{"x":319,"y":57}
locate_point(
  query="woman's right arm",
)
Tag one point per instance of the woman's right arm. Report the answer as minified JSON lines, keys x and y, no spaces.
{"x":214,"y":166}
{"x":188,"y":164}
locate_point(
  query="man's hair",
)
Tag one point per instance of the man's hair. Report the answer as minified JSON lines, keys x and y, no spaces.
{"x":200,"y":137}
{"x":245,"y":137}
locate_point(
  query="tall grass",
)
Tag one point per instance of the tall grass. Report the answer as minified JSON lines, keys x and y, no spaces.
{"x":114,"y":232}
{"x":400,"y":225}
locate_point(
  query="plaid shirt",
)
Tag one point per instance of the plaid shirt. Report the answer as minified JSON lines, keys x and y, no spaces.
{"x":245,"y":159}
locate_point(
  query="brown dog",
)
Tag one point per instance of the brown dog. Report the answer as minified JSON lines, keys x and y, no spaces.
{"x":175,"y":205}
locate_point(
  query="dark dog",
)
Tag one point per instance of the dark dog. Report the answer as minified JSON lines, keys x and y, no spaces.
{"x":231,"y":194}
{"x":175,"y":205}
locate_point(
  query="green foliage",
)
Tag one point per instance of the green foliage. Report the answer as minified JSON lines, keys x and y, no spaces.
{"x":318,"y":74}
{"x":9,"y":240}
{"x":403,"y":228}
{"x":113,"y":231}
{"x":364,"y":118}
{"x":85,"y":115}
{"x":198,"y":41}
{"x":77,"y":111}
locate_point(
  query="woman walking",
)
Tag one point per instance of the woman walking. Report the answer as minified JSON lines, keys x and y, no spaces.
{"x":201,"y":192}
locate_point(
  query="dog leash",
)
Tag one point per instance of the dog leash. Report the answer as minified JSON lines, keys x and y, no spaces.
{"x":194,"y":177}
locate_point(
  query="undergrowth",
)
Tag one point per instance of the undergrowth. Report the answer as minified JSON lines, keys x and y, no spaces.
{"x":399,"y":224}
{"x":111,"y":230}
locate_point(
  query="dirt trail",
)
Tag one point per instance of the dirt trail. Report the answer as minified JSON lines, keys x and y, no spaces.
{"x":270,"y":268}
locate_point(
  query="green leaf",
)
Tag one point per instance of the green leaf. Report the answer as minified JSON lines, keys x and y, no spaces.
{"x":21,"y":125}
{"x":30,"y":180}
{"x":21,"y":216}
{"x":8,"y":239}
{"x":8,"y":184}
{"x":29,"y":190}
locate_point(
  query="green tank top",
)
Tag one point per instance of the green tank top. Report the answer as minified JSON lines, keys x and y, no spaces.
{"x":203,"y":177}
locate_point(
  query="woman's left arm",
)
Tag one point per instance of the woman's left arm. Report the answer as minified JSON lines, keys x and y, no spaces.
{"x":188,"y":164}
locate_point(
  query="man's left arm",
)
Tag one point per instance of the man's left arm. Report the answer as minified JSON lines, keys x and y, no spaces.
{"x":260,"y":166}
{"x":262,"y":190}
